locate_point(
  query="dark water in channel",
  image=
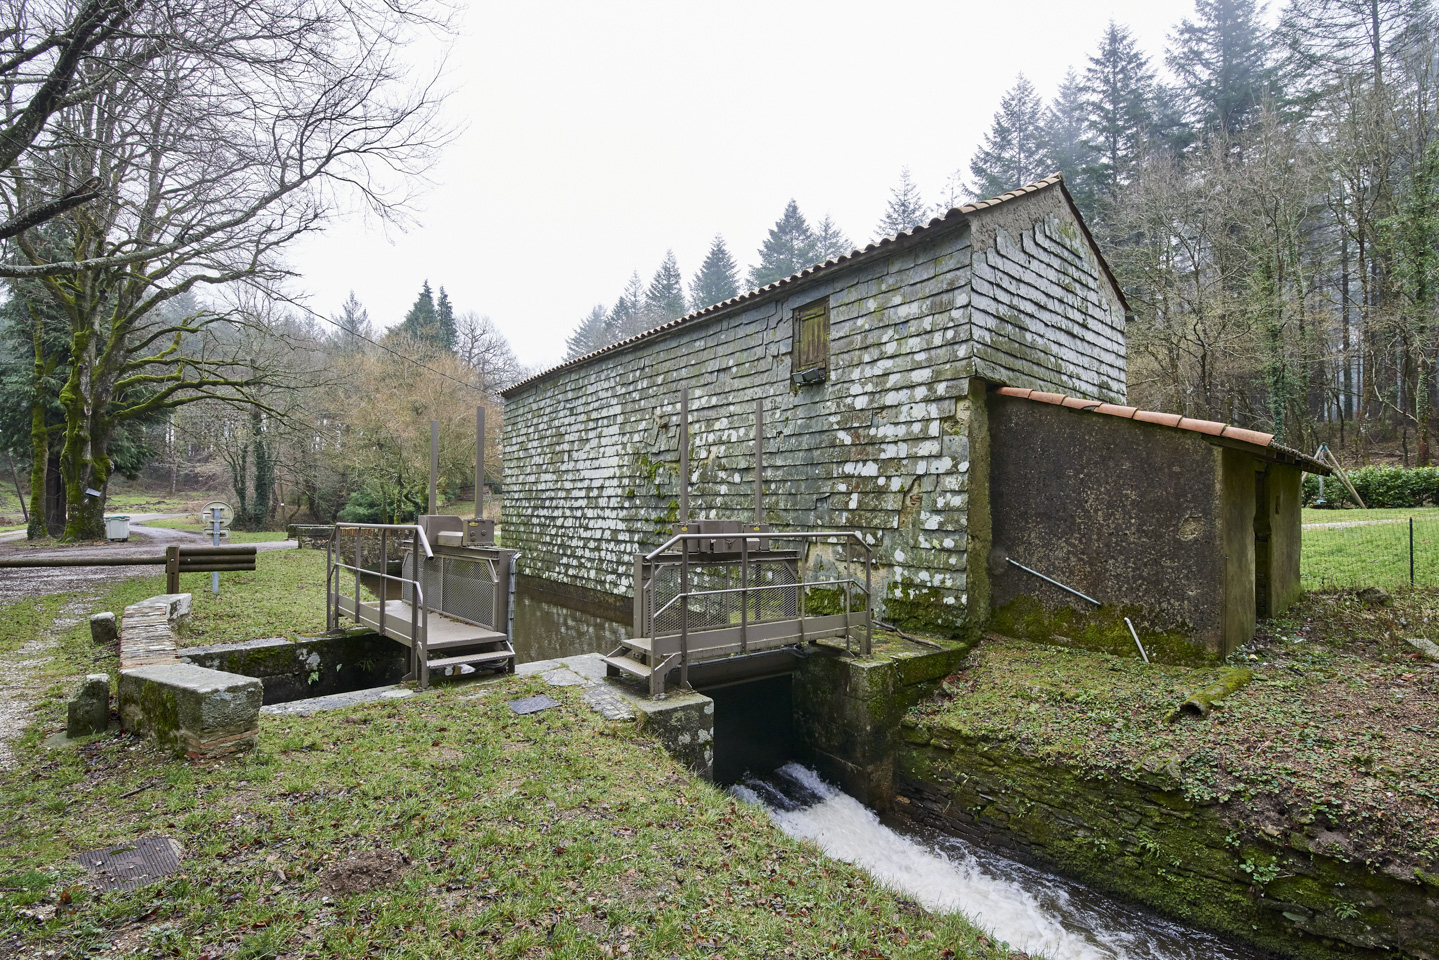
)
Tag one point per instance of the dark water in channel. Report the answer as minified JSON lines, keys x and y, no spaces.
{"x":548,"y":626}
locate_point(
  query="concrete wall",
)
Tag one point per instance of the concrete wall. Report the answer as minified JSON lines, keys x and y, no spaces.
{"x":883,"y":446}
{"x":1237,"y":540}
{"x":1286,"y":530}
{"x":1128,"y":513}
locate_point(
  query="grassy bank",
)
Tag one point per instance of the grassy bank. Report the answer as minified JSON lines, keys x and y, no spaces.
{"x":441,"y":826}
{"x":1341,"y":721}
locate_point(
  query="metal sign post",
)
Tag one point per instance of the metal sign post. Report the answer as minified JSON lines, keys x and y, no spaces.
{"x":219,"y":515}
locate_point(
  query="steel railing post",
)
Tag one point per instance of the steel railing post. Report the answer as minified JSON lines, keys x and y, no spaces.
{"x":868,"y":604}
{"x":359,"y":562}
{"x":1411,"y":551}
{"x":684,"y":617}
{"x":743,"y":594}
{"x":385,"y":572}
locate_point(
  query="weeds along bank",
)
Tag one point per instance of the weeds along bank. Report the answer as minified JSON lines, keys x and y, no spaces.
{"x":439,"y":826}
{"x":1301,"y":814}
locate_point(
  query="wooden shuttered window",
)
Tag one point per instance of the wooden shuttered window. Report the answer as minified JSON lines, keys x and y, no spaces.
{"x":810,"y":362}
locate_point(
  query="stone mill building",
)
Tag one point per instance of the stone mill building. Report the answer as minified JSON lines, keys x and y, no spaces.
{"x":957,"y":394}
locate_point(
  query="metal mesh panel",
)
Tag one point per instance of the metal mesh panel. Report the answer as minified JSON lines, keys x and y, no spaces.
{"x":459,"y":588}
{"x":774,"y":595}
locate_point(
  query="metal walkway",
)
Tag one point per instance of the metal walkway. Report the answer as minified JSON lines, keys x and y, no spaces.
{"x":451,"y":605}
{"x":718,"y":589}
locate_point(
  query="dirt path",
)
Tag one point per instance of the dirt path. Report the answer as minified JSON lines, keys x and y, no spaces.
{"x":21,"y":684}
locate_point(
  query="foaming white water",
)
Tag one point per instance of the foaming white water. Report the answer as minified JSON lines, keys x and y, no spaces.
{"x":1031,"y":911}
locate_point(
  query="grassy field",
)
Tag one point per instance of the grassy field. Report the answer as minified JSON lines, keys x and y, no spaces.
{"x":463,"y":831}
{"x":1371,"y":549}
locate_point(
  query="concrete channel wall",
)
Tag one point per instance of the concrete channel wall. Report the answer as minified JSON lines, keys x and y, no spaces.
{"x":1139,"y":837}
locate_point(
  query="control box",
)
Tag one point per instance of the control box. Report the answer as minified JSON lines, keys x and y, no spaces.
{"x":479,"y":533}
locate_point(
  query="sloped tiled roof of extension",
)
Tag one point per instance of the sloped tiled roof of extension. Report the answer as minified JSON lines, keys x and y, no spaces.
{"x":954,"y":216}
{"x":1267,"y":448}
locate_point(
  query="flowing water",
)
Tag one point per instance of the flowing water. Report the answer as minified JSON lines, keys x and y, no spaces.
{"x":1032,"y":911}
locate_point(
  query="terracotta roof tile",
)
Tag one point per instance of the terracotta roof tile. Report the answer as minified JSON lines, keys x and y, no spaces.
{"x":1208,"y":428}
{"x":1151,"y":416}
{"x":1248,"y":436}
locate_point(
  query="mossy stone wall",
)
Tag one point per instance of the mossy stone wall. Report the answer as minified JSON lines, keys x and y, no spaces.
{"x":1285,"y":889}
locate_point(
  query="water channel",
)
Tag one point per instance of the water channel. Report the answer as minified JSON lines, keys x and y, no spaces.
{"x":1033,"y":911}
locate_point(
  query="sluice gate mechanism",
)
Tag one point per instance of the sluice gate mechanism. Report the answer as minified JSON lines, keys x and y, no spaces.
{"x":718,"y":589}
{"x":439,"y":586}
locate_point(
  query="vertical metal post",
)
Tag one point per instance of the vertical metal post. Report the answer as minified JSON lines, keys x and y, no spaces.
{"x":685,"y":462}
{"x":434,"y":465}
{"x":214,"y":541}
{"x":743,"y":594}
{"x":759,"y":462}
{"x":479,"y":462}
{"x":384,"y":569}
{"x":868,"y":605}
{"x":684,"y":616}
{"x":358,"y":563}
{"x":330,"y":614}
{"x":1411,"y":551}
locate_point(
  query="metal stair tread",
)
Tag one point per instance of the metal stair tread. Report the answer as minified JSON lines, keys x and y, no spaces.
{"x":495,"y":655}
{"x":628,"y":665}
{"x":478,"y":635}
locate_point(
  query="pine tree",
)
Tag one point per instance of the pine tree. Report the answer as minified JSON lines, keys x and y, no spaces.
{"x":717,"y":279}
{"x":353,"y":322}
{"x":789,"y":248}
{"x":592,"y":333}
{"x":665,"y":298}
{"x":628,"y":316}
{"x":1065,"y":145}
{"x":1013,"y":152}
{"x":830,"y":241}
{"x":905,"y":208}
{"x":1220,"y":60}
{"x":445,"y":321}
{"x":421,"y":324}
{"x":1118,"y":95}
{"x":1329,"y":39}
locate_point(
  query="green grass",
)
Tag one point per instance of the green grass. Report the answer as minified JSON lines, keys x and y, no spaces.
{"x":558,"y":834}
{"x":1342,"y":717}
{"x":1370,"y":554}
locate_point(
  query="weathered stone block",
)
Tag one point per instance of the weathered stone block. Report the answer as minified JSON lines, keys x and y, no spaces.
{"x":89,"y":710}
{"x":684,"y":725}
{"x":195,"y":711}
{"x":103,"y":629}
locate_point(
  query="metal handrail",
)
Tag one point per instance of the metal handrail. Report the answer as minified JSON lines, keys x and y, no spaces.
{"x":419,"y":531}
{"x":685,"y":559}
{"x":756,"y":535}
{"x":764,"y":586}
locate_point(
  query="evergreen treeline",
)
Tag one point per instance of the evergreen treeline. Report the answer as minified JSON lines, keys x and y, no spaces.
{"x":1272,"y":210}
{"x":1267,"y":195}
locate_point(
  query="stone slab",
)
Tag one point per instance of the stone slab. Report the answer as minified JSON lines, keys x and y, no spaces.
{"x":336,"y":701}
{"x":532,"y":704}
{"x":195,"y":711}
{"x":1429,"y":648}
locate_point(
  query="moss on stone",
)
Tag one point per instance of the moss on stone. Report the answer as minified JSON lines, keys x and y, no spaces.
{"x":925,"y":611}
{"x":1100,"y":629}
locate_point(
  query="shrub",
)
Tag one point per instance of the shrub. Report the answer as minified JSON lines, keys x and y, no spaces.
{"x":1379,"y":487}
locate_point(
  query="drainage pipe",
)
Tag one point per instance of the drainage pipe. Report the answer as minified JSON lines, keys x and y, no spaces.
{"x":1135,"y":635}
{"x":1055,"y":582}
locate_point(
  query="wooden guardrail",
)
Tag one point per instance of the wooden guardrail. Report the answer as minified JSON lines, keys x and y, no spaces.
{"x":176,"y":560}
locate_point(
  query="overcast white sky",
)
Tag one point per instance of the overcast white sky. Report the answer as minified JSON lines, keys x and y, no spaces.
{"x":601,"y":134}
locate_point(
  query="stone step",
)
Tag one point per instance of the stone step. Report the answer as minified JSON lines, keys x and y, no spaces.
{"x":492,"y":656}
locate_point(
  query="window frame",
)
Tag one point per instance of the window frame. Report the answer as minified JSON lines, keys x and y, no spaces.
{"x":810,"y":365}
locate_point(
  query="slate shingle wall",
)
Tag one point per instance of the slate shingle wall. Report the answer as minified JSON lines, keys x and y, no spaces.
{"x":883,"y":447}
